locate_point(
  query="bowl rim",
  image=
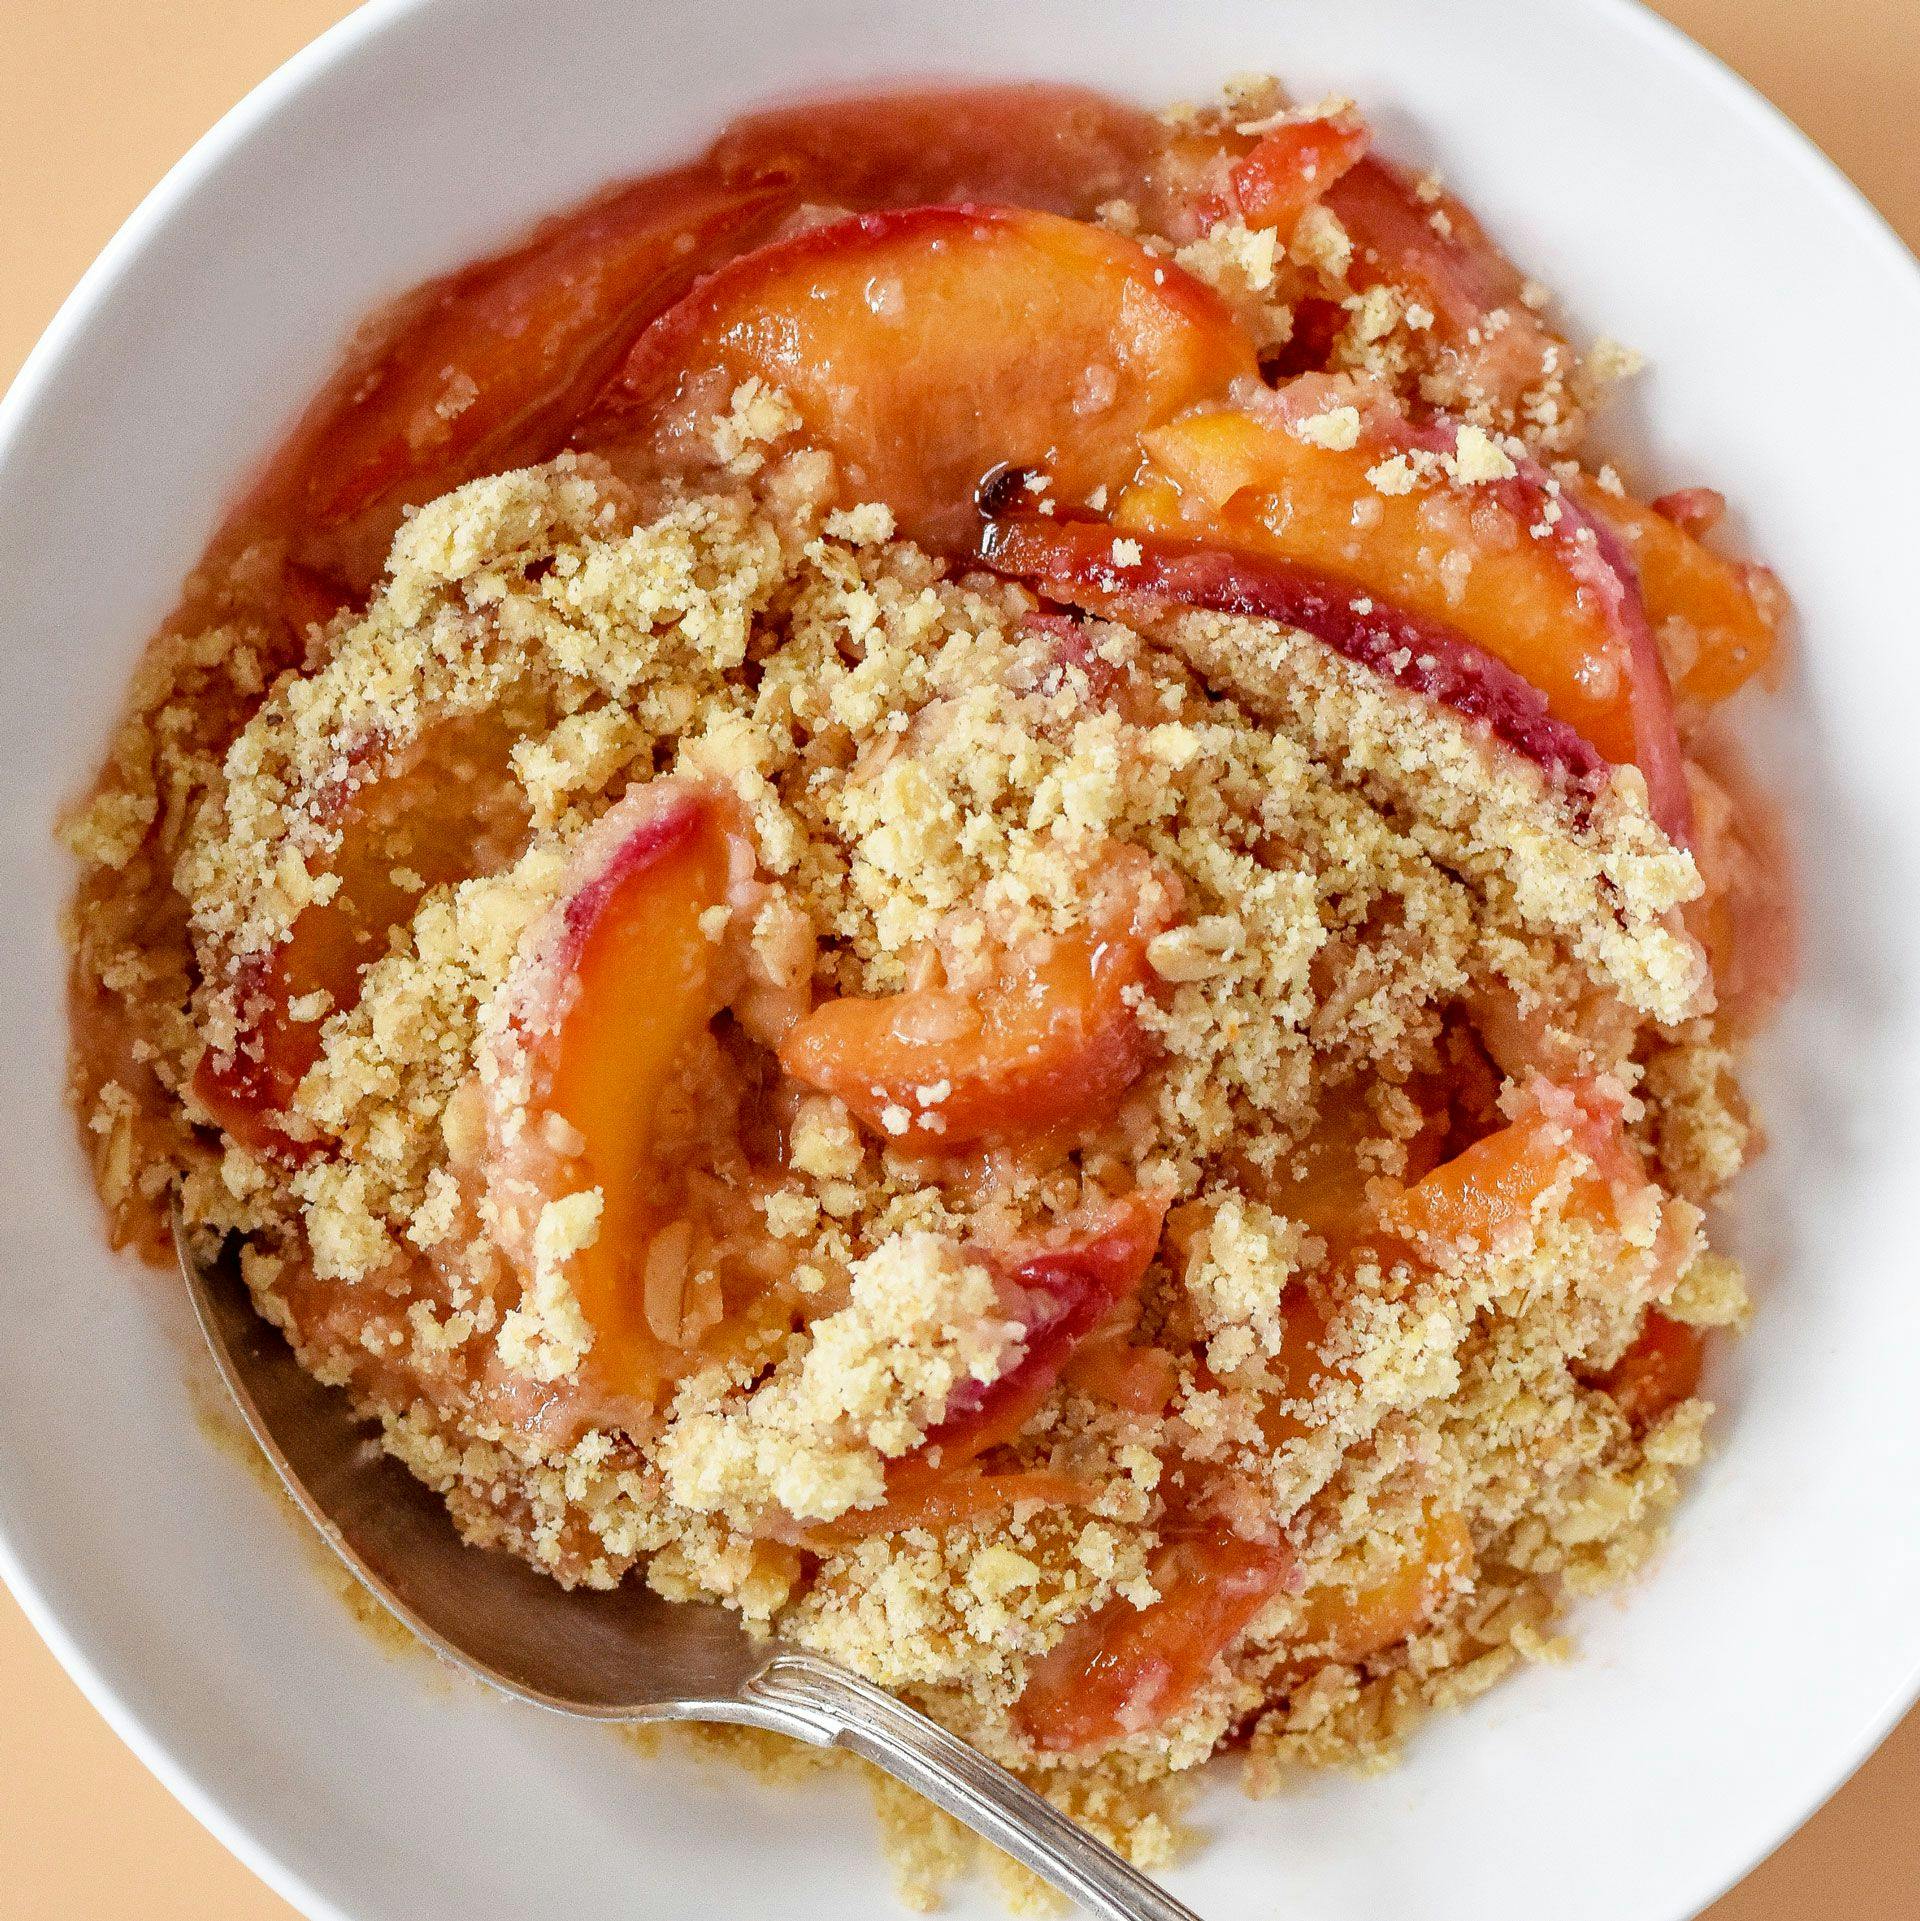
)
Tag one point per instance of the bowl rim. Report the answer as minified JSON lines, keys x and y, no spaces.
{"x":146,"y":226}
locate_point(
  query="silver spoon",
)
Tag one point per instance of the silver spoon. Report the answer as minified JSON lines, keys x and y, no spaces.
{"x":626,"y":1655}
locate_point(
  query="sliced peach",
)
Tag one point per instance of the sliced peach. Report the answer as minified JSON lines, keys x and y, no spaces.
{"x":1056,"y":148}
{"x":1084,"y":564}
{"x":1429,"y":246}
{"x":1346,"y":1624}
{"x":1696,"y":511}
{"x":409,"y":822}
{"x":1293,"y":166}
{"x":1049,"y":1049}
{"x":1200,"y":173}
{"x":486,"y":368}
{"x":1124,"y":1669}
{"x":1059,"y":1295}
{"x":1660,"y":1370}
{"x":1512,"y":562}
{"x":1718,"y":620}
{"x":608,"y":994}
{"x":1111,"y":1366}
{"x":1483,"y":1193}
{"x":1474,"y":1198}
{"x":948,"y":1502}
{"x":1323,"y":1183}
{"x":928,"y":346}
{"x":1299,"y":1370}
{"x":1186,"y":187}
{"x":1465,"y":1203}
{"x":1449,"y":260}
{"x":1296,"y":1373}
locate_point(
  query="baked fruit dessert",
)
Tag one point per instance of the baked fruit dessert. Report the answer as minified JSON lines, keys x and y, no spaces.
{"x":960,"y":878}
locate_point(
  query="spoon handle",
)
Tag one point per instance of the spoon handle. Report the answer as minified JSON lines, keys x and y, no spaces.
{"x":829,"y":1707}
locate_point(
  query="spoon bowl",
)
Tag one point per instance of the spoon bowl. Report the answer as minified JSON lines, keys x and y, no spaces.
{"x":621,"y":1654}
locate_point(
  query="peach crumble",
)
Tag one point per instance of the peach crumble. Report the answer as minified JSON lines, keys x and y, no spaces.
{"x":961,"y":879}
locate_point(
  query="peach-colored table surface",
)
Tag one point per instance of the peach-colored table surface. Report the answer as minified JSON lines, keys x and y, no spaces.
{"x":101,"y":96}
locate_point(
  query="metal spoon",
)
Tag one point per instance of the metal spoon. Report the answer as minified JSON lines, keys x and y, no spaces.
{"x":626,"y":1655}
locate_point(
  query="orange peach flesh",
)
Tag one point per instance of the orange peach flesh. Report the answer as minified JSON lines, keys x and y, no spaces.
{"x":1292,"y":167}
{"x":409,"y":827}
{"x":486,"y":368}
{"x":929,"y":346}
{"x":1049,"y":1049}
{"x":948,"y":1502}
{"x":1111,"y":1367}
{"x":1490,"y":1187}
{"x":1465,"y":1203}
{"x":1250,"y":484}
{"x":1323,"y":1183}
{"x":1123,"y":1669}
{"x":1720,"y":617}
{"x":635,"y":971}
{"x":1660,"y":1370}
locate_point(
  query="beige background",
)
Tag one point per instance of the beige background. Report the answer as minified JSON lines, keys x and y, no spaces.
{"x":101,"y":96}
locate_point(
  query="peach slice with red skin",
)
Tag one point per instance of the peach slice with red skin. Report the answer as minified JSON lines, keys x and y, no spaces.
{"x":1451,"y":262}
{"x":1198,"y":175}
{"x":1429,"y":246}
{"x":491,"y":366}
{"x":1124,"y":1670}
{"x":1047,"y":1050}
{"x":1660,"y":1370}
{"x":1574,"y":1130}
{"x":609,"y":992}
{"x":927,"y":346}
{"x":406,"y":823}
{"x":1514,"y":562}
{"x":1718,"y":619}
{"x":1061,"y":1295}
{"x":1574,"y":1127}
{"x":1058,"y":149}
{"x":1406,"y":235}
{"x":1081,"y":562}
{"x":1295,"y":165}
{"x":1695,"y":511}
{"x":487,"y":367}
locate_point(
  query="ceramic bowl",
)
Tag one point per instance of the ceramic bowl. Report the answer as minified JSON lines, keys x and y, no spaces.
{"x":1705,"y":1713}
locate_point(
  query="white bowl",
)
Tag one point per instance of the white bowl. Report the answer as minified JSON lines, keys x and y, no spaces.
{"x":1779,"y":1637}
